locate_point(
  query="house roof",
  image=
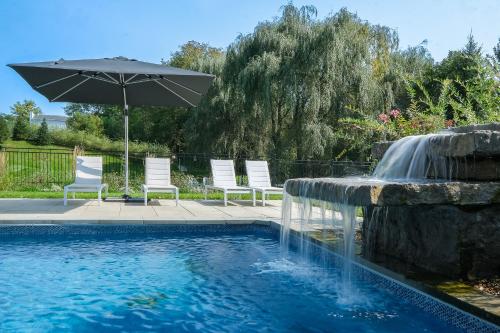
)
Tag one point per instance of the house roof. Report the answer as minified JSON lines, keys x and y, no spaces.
{"x":49,"y":117}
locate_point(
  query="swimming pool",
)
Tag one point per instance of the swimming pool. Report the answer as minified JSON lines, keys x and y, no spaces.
{"x":186,"y":278}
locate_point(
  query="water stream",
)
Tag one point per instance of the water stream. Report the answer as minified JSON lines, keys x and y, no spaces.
{"x":408,"y":159}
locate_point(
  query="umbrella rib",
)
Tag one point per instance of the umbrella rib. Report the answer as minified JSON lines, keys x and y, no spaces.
{"x":173,"y":92}
{"x":100,"y":79}
{"x":131,"y":78}
{"x":67,"y":91}
{"x":140,"y":81}
{"x":182,"y":86}
{"x":55,"y":81}
{"x":110,"y":77}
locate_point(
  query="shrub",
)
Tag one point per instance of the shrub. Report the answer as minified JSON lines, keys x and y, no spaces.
{"x":88,"y":123}
{"x":4,"y":130}
{"x":21,"y":129}
{"x":68,"y":138}
{"x":42,"y":135}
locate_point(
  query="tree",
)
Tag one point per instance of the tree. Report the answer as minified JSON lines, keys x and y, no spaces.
{"x":21,"y":130}
{"x":42,"y":135}
{"x":4,"y":130}
{"x":496,"y":51}
{"x":190,"y":53}
{"x":288,"y":89}
{"x":86,"y":122}
{"x":22,"y":112}
{"x":25,"y":109}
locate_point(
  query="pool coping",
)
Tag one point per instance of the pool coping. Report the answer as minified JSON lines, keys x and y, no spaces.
{"x":139,"y":221}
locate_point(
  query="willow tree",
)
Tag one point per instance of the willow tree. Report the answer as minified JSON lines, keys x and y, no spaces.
{"x":289,"y":88}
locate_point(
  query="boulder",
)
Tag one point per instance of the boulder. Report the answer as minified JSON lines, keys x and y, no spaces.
{"x":370,"y":192}
{"x":454,"y":241}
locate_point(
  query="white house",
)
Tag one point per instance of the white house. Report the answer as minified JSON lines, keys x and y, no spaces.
{"x":53,"y":121}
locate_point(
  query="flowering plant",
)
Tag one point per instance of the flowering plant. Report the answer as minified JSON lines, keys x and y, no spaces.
{"x":383,"y":118}
{"x":394,"y":113}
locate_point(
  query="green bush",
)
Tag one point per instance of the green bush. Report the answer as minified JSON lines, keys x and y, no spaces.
{"x":4,"y":130}
{"x":88,"y":123}
{"x":69,"y":138}
{"x":42,"y":135}
{"x":21,"y":129}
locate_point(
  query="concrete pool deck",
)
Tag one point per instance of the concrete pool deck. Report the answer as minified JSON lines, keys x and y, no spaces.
{"x":36,"y":211}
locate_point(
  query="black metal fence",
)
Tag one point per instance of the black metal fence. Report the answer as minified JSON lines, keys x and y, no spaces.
{"x":27,"y":167}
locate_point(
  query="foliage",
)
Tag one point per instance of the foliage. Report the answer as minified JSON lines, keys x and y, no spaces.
{"x":22,"y":128}
{"x":88,"y":123}
{"x":292,"y":87}
{"x":42,"y":135}
{"x":496,"y":51}
{"x":70,"y":138}
{"x":4,"y":130}
{"x":25,"y":109}
{"x":190,"y":53}
{"x":302,"y":88}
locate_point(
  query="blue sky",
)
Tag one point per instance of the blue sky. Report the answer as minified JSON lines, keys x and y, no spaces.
{"x":152,"y":30}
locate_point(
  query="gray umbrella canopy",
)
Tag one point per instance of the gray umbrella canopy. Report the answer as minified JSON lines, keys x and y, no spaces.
{"x":117,"y":81}
{"x":104,"y":81}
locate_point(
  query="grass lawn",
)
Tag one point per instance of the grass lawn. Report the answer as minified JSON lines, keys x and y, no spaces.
{"x":26,"y":144}
{"x":185,"y":196}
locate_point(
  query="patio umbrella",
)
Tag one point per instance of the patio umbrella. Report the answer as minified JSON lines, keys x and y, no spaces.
{"x":118,"y":81}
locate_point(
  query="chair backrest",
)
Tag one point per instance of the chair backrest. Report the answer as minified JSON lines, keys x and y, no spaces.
{"x":258,"y":174}
{"x":157,"y":171}
{"x":223,"y":173}
{"x":88,"y":170}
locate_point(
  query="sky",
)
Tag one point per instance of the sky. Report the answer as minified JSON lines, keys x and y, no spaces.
{"x":150,"y":30}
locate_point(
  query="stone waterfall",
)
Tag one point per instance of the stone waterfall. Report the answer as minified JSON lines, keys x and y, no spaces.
{"x":433,"y":203}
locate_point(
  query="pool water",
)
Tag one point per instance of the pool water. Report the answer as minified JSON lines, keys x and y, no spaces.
{"x":216,"y":282}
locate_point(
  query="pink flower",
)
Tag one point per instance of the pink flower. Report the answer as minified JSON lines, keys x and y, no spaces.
{"x":383,"y":118}
{"x":394,"y":113}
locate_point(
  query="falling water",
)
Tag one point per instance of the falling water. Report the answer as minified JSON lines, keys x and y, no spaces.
{"x":408,"y":159}
{"x":303,"y":215}
{"x":411,"y":158}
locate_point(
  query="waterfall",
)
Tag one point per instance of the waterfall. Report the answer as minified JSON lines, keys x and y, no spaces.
{"x":412,"y":158}
{"x":306,"y":217}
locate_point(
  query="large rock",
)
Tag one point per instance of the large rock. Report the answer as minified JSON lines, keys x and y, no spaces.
{"x":471,"y":128}
{"x":369,"y":192}
{"x":479,"y":143}
{"x":448,"y":240}
{"x":450,"y":228}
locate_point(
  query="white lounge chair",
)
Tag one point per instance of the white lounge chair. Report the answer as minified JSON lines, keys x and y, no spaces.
{"x":259,"y":179}
{"x":88,"y":177}
{"x":157,"y":178}
{"x":224,"y":179}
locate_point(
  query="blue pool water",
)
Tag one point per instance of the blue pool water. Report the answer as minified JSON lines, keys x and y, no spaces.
{"x":185,"y":282}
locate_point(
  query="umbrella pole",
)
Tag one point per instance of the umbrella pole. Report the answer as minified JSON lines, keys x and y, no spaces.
{"x":125,"y":111}
{"x":125,"y":119}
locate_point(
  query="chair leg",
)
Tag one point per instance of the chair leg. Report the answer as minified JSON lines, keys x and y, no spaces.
{"x":253,"y":197}
{"x":263,"y":198}
{"x":74,"y":195}
{"x":145,"y":198}
{"x":225,"y":198}
{"x":65,"y":197}
{"x":107,"y":189}
{"x":177,"y":197}
{"x":206,"y":193}
{"x":99,"y":195}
